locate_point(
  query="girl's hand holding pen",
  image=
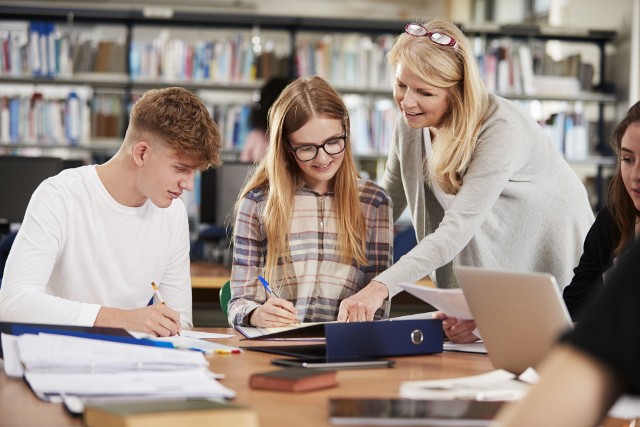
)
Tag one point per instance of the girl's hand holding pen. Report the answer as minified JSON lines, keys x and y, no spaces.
{"x":275,"y":312}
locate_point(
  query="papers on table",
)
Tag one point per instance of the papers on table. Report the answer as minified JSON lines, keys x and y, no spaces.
{"x":474,"y":347}
{"x":58,"y":365}
{"x":62,"y":353}
{"x":192,"y":340}
{"x":495,"y":385}
{"x":626,"y":407}
{"x":449,"y":301}
{"x":203,"y":335}
{"x":184,"y":383}
{"x":187,"y":343}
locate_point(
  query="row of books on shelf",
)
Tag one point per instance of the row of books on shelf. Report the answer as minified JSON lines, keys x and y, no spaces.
{"x":347,"y":60}
{"x":569,"y":133}
{"x":30,"y":49}
{"x":232,"y":59}
{"x":523,"y":68}
{"x":36,"y":119}
{"x":75,"y":120}
{"x":45,"y":49}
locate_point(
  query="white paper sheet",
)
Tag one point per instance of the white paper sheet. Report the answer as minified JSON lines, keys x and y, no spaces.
{"x":187,"y":343}
{"x":66,"y":353}
{"x":203,"y":335}
{"x":474,"y":347}
{"x":191,"y":383}
{"x":12,"y":364}
{"x":495,"y":385}
{"x":449,"y":301}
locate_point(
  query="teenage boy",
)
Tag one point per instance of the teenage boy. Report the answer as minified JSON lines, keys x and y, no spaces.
{"x":94,"y":238}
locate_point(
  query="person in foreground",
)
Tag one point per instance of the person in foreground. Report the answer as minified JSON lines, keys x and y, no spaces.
{"x":598,"y":361}
{"x":94,"y":238}
{"x":616,"y":226}
{"x":305,"y":221}
{"x":482,"y":181}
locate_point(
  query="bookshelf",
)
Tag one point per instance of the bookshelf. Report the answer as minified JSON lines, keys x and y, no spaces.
{"x":572,"y":100}
{"x":177,"y":48}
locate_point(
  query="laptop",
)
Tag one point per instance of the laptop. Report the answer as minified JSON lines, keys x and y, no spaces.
{"x":519,"y":315}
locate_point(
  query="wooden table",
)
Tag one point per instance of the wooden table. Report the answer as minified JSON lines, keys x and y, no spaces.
{"x":19,"y":407}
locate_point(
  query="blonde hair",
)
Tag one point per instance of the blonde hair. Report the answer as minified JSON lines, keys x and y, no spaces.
{"x":453,"y":68}
{"x":279,"y":175}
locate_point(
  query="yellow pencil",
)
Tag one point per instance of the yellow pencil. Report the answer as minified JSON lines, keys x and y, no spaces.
{"x":157,"y":292}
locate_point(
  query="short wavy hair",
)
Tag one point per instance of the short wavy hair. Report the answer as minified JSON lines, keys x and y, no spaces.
{"x":177,"y":117}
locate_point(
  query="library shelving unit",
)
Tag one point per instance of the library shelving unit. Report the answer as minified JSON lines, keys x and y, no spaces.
{"x":348,"y":52}
{"x":575,"y":105}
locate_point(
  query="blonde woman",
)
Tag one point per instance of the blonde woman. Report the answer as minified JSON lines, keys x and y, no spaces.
{"x":482,"y":181}
{"x":305,"y":222}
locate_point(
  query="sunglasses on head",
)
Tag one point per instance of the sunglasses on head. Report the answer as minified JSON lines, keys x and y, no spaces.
{"x":418,"y":30}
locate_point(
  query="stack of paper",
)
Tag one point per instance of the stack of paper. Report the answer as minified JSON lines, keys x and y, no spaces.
{"x":58,"y":365}
{"x":494,"y":385}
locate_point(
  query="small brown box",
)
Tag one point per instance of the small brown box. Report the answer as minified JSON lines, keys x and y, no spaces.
{"x":294,"y":379}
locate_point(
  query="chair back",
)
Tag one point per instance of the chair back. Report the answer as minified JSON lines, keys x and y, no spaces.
{"x":225,"y":296}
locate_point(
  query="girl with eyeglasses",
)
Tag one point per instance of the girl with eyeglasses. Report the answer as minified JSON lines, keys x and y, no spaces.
{"x":305,"y":222}
{"x":483,"y":183}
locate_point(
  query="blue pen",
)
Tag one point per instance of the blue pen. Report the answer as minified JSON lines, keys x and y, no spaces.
{"x":267,"y":286}
{"x":271,"y":291}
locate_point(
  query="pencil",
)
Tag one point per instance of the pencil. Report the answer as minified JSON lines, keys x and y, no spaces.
{"x":159,"y":295}
{"x":157,"y":292}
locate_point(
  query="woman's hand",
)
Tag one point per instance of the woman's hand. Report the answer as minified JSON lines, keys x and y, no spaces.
{"x":458,"y":331}
{"x":362,"y":306}
{"x":275,"y":312}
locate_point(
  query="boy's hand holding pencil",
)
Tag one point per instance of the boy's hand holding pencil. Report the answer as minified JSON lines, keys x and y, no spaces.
{"x":163,"y":307}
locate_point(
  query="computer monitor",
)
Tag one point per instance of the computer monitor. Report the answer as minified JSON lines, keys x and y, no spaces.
{"x":219,"y":189}
{"x":19,"y":177}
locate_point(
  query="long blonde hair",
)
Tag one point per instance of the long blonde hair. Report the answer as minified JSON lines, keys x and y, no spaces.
{"x":454,"y":69}
{"x":281,"y":177}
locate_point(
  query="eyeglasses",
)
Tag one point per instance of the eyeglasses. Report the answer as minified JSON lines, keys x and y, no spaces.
{"x":308,"y":152}
{"x":418,"y":30}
